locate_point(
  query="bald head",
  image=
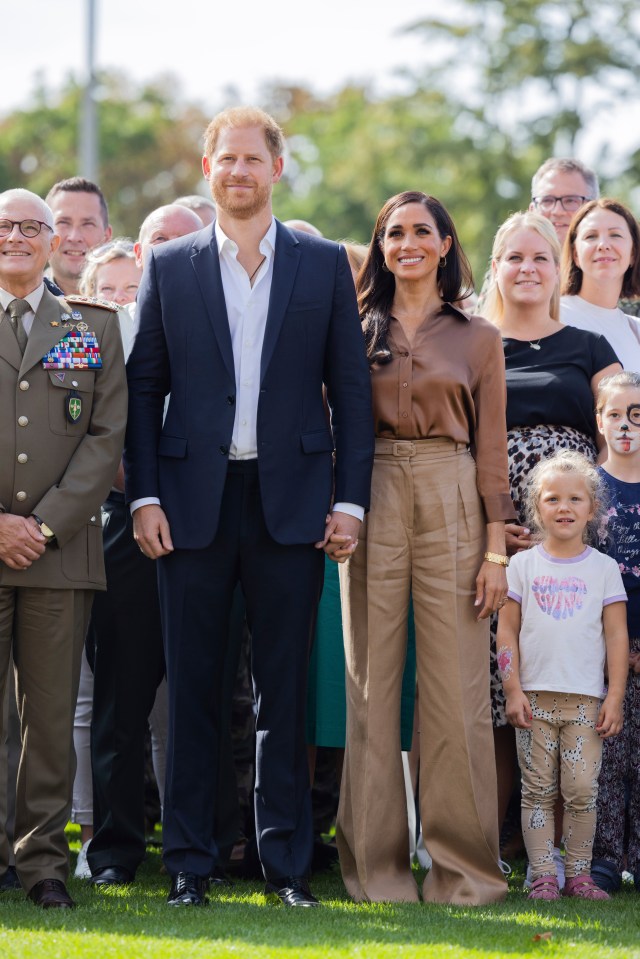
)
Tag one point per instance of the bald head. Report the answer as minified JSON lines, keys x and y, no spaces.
{"x":302,"y":226}
{"x":166,"y":223}
{"x":202,"y":205}
{"x":19,"y":196}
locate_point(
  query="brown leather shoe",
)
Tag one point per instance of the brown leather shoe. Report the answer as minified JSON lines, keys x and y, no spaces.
{"x":51,"y":894}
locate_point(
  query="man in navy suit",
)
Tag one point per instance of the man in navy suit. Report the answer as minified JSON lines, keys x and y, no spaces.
{"x":243,"y":324}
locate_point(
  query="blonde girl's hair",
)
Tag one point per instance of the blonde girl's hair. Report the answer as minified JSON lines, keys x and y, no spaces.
{"x":119,"y":249}
{"x":566,"y":461}
{"x":609,"y":385}
{"x":493,"y":307}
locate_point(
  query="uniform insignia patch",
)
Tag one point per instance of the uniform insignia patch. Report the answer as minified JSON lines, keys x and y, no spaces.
{"x":73,"y":407}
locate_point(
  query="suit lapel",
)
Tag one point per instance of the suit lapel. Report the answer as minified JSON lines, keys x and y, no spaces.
{"x":43,"y":335}
{"x":285,"y":267}
{"x":9,"y":348}
{"x":206,"y":263}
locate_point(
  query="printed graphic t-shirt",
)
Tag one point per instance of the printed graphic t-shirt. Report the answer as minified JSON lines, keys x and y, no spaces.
{"x":562,"y":645}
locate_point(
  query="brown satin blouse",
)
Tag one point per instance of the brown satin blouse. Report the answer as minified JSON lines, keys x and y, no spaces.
{"x":449,"y":383}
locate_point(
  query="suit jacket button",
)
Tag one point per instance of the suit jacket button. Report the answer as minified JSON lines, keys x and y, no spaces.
{"x":21,"y":496}
{"x":231,"y":400}
{"x":22,"y":457}
{"x":24,"y":385}
{"x":23,"y":421}
{"x":224,"y":450}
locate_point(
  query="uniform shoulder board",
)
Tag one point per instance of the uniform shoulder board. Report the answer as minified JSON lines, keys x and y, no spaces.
{"x":76,"y":300}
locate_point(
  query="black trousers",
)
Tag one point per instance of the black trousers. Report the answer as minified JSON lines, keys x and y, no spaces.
{"x":281,"y":586}
{"x":124,"y":648}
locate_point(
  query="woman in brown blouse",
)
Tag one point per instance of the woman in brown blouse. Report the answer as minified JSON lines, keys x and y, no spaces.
{"x":440,"y":496}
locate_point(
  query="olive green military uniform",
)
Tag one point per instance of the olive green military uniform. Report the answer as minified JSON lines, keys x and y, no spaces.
{"x":61,"y":436}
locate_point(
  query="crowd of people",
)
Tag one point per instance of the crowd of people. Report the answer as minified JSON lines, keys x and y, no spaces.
{"x":297,"y":411}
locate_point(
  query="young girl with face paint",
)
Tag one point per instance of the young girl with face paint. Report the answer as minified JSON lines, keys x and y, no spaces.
{"x":565,"y":613}
{"x":618,"y":416}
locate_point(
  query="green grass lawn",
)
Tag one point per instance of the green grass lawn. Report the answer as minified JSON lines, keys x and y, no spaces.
{"x":135,"y":922}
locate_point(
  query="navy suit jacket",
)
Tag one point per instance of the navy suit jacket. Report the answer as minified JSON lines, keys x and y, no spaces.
{"x":183,"y":347}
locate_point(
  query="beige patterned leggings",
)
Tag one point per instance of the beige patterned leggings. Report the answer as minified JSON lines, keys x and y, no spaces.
{"x":562,"y":734}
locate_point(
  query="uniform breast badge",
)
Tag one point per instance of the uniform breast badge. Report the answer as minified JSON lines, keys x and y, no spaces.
{"x":73,"y":406}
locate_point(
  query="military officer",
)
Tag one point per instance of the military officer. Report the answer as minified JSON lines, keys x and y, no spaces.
{"x":62,"y":421}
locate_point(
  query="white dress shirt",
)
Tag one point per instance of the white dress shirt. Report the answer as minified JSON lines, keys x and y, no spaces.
{"x":247,"y":309}
{"x":33,"y":299}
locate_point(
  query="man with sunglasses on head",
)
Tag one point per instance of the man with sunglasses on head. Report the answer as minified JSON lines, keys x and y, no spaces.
{"x":559,"y":188}
{"x":62,"y":421}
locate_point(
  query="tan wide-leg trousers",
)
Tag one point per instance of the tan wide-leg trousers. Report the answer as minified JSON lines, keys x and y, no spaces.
{"x":425,"y":535}
{"x":45,"y":628}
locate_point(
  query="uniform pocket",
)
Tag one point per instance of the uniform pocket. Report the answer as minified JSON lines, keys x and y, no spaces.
{"x":76,"y":388}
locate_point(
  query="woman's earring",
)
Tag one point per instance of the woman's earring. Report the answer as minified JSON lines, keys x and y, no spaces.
{"x":443,"y":262}
{"x":385,"y":267}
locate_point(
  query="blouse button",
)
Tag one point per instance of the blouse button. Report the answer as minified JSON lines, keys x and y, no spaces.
{"x":405,"y":414}
{"x":405,"y":384}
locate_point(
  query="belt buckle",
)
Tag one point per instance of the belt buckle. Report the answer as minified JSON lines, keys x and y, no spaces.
{"x":404,"y":448}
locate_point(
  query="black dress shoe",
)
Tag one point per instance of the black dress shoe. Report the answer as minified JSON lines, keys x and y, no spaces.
{"x":9,"y":880}
{"x":187,"y":889}
{"x":219,"y":878}
{"x":111,"y":876}
{"x":51,"y":894}
{"x":291,"y":891}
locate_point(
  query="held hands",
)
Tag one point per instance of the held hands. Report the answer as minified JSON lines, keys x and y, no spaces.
{"x":518,"y":538}
{"x":610,"y":718}
{"x":491,"y":586}
{"x":634,"y":662}
{"x":340,"y":536}
{"x":151,"y":531}
{"x":518,"y":710}
{"x":21,"y":542}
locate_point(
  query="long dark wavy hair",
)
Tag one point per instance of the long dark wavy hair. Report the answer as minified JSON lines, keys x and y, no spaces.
{"x":376,"y":286}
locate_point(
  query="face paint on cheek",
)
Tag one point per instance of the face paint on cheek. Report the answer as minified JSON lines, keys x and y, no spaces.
{"x":633,"y":413}
{"x":505,"y":663}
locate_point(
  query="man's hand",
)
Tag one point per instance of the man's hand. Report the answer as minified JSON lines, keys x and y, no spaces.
{"x":151,"y":531}
{"x":340,"y":536}
{"x":21,"y":542}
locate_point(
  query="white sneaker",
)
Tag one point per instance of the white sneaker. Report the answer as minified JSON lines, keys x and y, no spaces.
{"x":558,"y":860}
{"x":82,"y":866}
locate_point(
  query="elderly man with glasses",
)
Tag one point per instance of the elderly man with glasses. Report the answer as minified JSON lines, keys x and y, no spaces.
{"x":62,"y":421}
{"x":559,"y":188}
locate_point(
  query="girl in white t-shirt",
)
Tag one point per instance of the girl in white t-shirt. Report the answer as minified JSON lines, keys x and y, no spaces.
{"x":565,"y":613}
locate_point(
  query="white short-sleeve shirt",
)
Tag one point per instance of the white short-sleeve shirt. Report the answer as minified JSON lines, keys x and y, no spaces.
{"x":562,"y":643}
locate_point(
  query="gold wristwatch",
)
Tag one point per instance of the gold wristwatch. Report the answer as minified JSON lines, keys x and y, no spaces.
{"x":497,"y":558}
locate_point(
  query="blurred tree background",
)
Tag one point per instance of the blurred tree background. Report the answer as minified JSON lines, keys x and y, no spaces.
{"x":503,"y":85}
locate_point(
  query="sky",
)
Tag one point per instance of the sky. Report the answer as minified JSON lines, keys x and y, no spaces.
{"x":211,"y":46}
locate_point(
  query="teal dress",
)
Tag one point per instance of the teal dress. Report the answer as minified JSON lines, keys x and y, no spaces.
{"x":326,"y":700}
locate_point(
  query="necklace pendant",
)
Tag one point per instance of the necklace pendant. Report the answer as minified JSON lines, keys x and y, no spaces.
{"x":534,"y":346}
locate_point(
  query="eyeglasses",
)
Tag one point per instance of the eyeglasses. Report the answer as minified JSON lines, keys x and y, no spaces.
{"x":568,"y":203}
{"x":28,"y":228}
